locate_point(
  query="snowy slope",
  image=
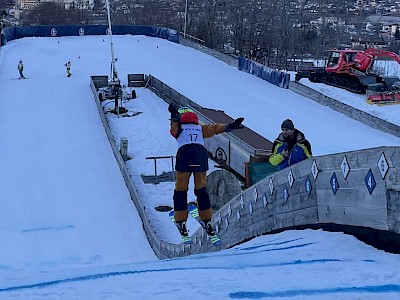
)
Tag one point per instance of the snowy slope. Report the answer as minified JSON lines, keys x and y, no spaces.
{"x":66,"y":200}
{"x":68,"y":227}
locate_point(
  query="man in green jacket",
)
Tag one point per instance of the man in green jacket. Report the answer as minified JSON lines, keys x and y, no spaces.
{"x":290,"y":147}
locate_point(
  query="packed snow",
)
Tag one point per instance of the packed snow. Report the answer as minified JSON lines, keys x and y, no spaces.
{"x":68,"y":226}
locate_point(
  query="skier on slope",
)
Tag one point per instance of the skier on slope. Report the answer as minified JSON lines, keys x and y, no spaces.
{"x":20,"y":69}
{"x":192,"y":157}
{"x":68,"y":66}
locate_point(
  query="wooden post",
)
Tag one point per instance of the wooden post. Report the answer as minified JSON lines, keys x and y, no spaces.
{"x":124,"y":148}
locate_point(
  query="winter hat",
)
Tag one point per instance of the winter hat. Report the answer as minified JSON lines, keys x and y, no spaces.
{"x":287,"y":124}
{"x":189,"y":118}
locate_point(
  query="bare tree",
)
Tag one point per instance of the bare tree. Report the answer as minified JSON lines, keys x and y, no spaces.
{"x":268,"y":31}
{"x":146,"y":12}
{"x":51,"y":13}
{"x":247,"y":27}
{"x":48,"y":13}
{"x":208,"y":24}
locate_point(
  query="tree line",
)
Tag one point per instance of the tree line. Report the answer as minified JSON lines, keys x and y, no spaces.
{"x":270,"y":32}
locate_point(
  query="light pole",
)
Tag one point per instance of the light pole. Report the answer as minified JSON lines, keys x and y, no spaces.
{"x":113,"y":68}
{"x":184,"y":28}
{"x":114,"y":84}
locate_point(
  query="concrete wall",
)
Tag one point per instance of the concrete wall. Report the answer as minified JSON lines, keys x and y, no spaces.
{"x":222,"y":186}
{"x":229,"y":59}
{"x":345,"y":109}
{"x":292,"y":197}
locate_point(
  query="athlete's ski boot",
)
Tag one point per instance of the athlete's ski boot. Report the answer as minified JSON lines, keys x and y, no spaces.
{"x":208,"y":227}
{"x":215,"y":239}
{"x":182,"y":228}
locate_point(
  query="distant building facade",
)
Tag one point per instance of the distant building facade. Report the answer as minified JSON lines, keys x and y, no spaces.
{"x":386,"y":25}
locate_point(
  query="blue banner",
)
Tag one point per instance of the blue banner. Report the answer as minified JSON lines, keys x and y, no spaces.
{"x":275,"y":77}
{"x":12,"y":33}
{"x":7,"y":35}
{"x":3,"y":40}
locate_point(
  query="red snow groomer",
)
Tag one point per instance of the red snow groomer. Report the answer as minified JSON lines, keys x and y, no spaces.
{"x":353,"y":70}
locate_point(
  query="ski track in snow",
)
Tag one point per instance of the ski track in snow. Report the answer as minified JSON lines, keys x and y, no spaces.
{"x":375,"y":289}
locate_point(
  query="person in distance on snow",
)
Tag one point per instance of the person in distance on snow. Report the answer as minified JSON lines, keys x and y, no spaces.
{"x":20,"y":69}
{"x":290,"y":147}
{"x":68,"y":66}
{"x":192,"y":158}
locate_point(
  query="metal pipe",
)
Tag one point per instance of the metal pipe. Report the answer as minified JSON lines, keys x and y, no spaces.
{"x":173,"y":169}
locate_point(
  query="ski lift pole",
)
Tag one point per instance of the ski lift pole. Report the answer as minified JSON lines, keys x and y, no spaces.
{"x":114,"y":71}
{"x":184,"y":28}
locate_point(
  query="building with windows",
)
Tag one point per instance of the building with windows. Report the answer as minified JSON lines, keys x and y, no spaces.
{"x":387,"y":25}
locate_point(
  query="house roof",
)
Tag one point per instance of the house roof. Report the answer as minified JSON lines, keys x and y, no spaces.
{"x":383,"y":19}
